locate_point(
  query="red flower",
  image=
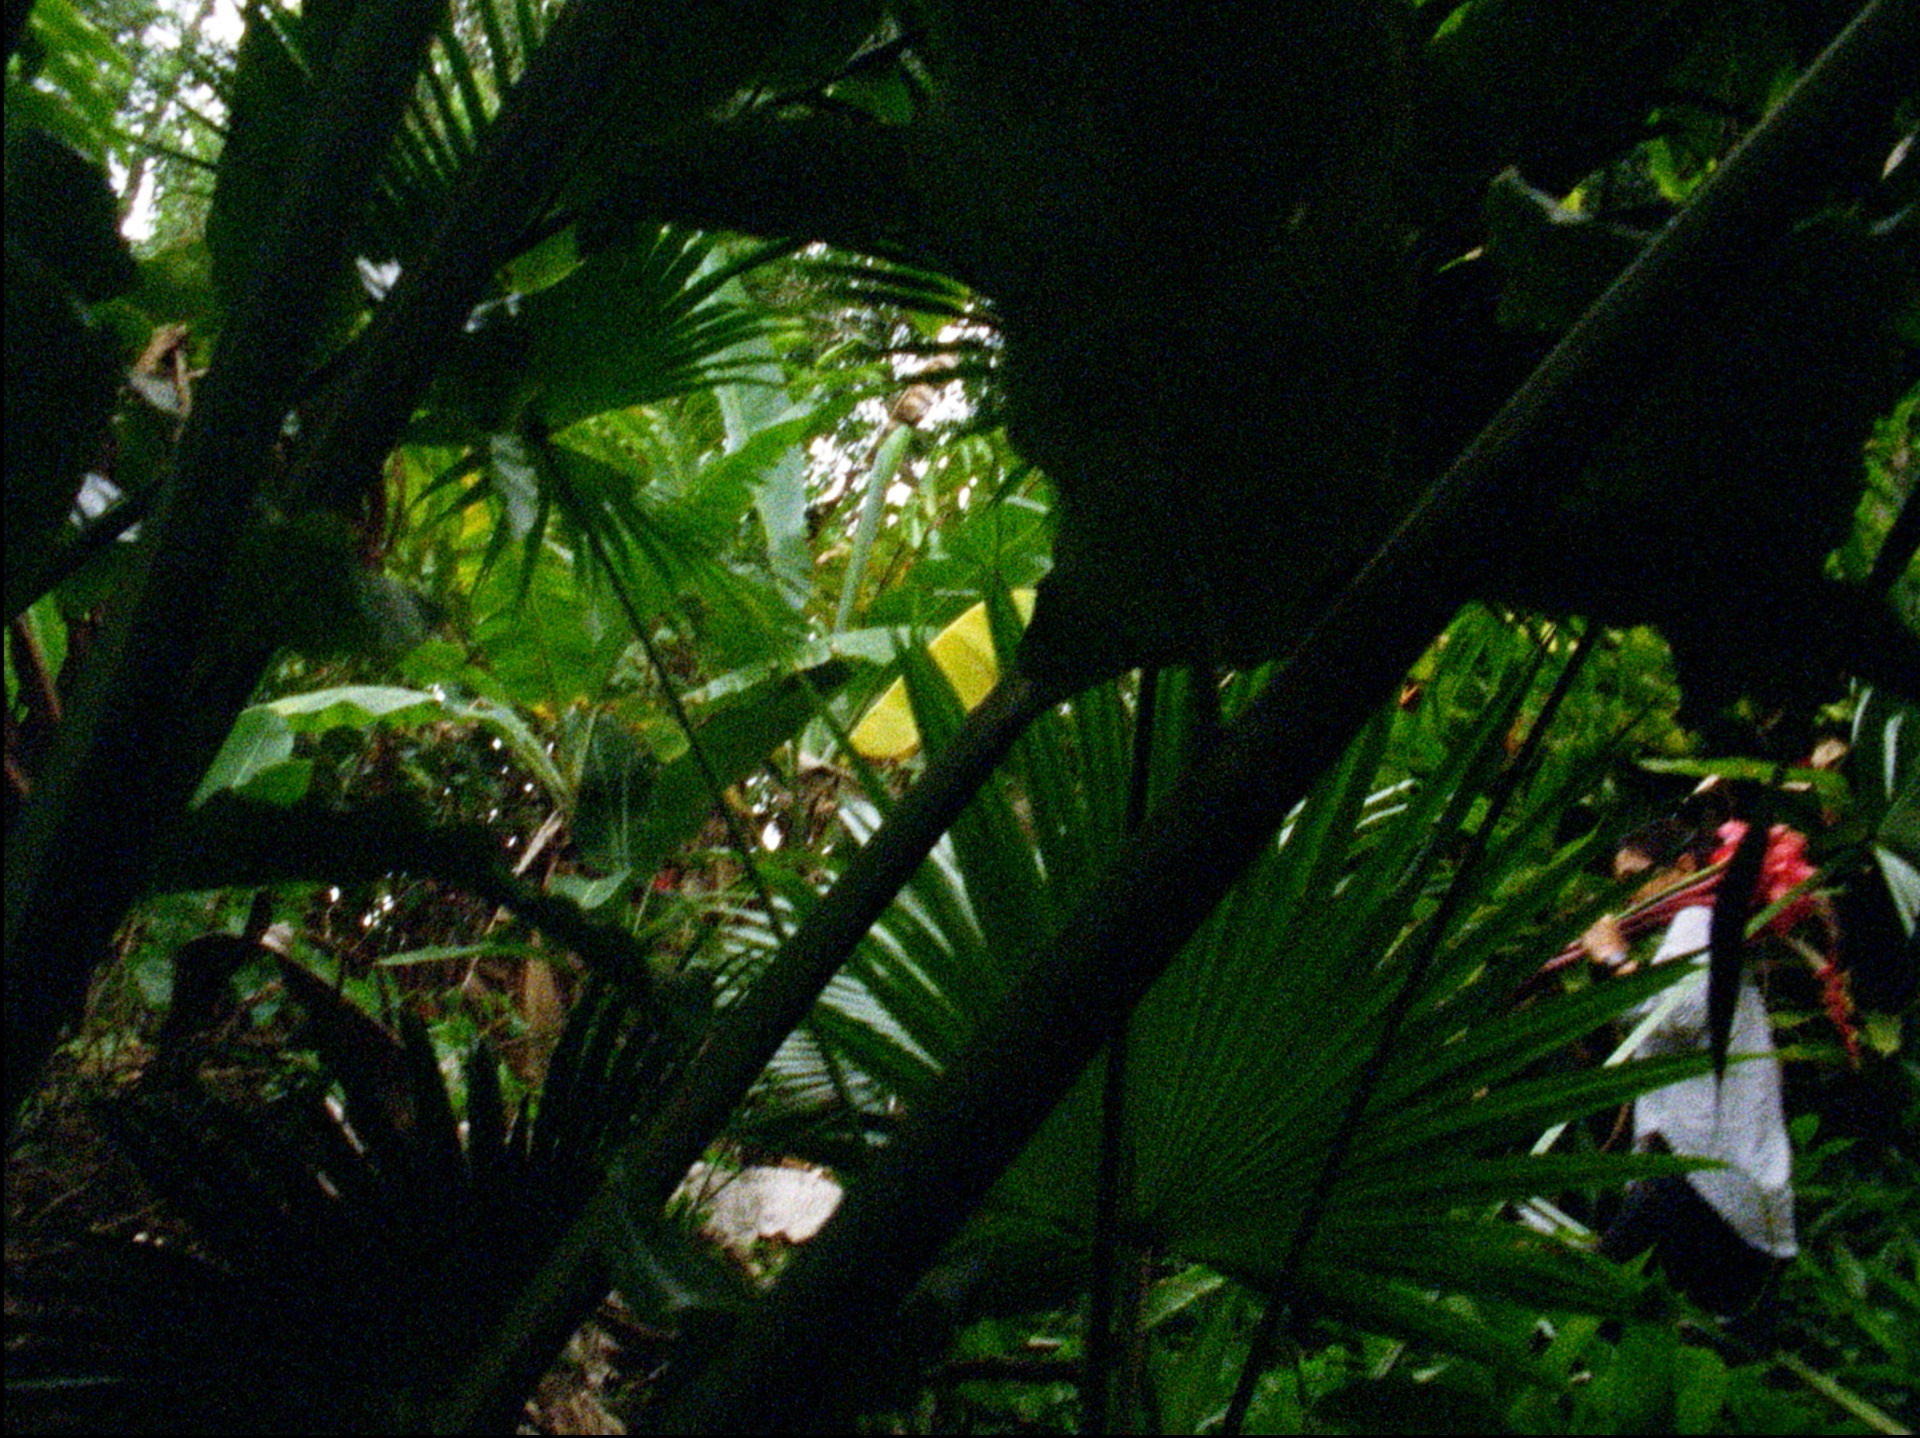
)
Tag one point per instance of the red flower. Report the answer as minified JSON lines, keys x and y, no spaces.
{"x":1837,"y":998}
{"x":1784,"y":869}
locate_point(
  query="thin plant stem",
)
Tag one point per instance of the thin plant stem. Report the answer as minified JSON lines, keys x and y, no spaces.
{"x":1099,"y":1399}
{"x":736,"y":833}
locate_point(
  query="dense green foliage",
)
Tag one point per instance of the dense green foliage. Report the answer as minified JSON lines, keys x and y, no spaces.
{"x":448,"y":551}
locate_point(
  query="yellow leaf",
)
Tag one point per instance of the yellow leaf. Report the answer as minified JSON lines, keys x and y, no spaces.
{"x":964,"y":652}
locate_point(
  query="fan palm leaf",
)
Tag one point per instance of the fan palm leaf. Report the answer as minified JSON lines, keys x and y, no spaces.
{"x":1242,"y":1060}
{"x":347,"y":1252}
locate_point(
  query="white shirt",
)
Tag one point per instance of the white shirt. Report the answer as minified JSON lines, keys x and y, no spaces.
{"x":1738,"y":1120}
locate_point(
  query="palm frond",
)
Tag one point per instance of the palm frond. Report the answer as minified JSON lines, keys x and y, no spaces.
{"x":1241,"y":1060}
{"x":352,"y":1241}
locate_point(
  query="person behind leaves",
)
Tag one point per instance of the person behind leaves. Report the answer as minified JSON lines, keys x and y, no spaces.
{"x":1720,"y":1234}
